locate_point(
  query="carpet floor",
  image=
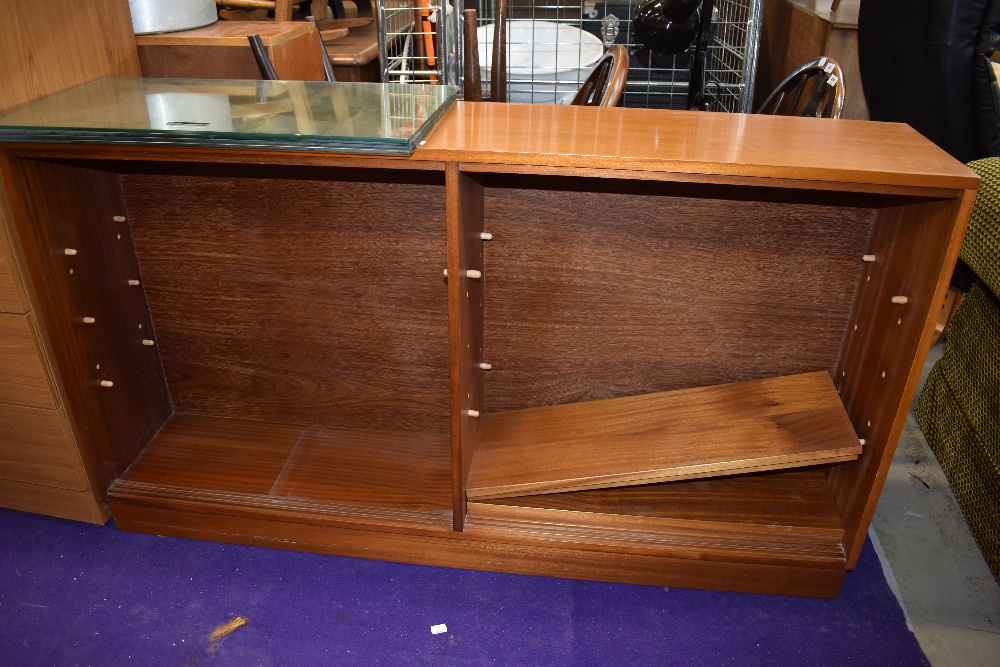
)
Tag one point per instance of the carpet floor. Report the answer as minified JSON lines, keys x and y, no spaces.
{"x":75,"y":594}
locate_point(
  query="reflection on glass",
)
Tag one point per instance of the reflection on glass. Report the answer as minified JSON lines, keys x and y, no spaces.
{"x":309,"y":115}
{"x":189,"y":111}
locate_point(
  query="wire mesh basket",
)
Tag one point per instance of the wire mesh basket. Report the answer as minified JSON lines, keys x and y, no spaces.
{"x":417,"y":41}
{"x":553,"y":44}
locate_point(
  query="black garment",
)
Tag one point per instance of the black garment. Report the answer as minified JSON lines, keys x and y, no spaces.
{"x":926,"y":63}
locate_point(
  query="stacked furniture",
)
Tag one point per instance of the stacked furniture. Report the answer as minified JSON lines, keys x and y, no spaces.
{"x":959,"y":409}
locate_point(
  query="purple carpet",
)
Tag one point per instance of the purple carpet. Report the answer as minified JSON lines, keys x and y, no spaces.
{"x":75,"y":594}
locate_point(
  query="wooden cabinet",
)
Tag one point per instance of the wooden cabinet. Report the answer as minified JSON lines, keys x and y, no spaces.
{"x":668,"y":348}
{"x":44,"y":49}
{"x":221,"y":51}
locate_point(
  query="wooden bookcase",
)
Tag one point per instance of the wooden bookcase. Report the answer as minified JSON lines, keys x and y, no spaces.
{"x":618,"y":344}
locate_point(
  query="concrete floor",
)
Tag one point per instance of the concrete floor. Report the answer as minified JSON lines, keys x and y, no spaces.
{"x":942,"y":581}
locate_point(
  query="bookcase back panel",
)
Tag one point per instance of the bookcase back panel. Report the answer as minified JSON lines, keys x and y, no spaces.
{"x":298,"y":301}
{"x":600,"y":288}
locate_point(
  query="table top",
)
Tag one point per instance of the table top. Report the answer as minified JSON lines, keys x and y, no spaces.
{"x":229,"y":33}
{"x":693,"y":142}
{"x":420,"y":121}
{"x":294,"y":115}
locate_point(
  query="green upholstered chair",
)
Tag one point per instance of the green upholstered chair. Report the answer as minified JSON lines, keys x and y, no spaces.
{"x":959,"y":409}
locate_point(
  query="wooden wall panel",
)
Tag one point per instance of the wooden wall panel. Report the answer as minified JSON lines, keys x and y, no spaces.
{"x":613,"y":290}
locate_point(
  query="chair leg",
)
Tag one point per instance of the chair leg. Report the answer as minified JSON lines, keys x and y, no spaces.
{"x":498,"y":72}
{"x":473,"y":85}
{"x":263,"y":61}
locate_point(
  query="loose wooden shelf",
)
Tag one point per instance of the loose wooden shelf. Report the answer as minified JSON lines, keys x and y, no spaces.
{"x":633,"y":299}
{"x":777,"y":423}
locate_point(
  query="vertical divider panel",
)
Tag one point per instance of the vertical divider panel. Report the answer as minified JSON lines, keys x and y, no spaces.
{"x":888,"y":337}
{"x":466,"y":278}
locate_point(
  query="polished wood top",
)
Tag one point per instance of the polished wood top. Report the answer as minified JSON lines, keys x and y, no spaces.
{"x":691,"y":142}
{"x":229,"y":33}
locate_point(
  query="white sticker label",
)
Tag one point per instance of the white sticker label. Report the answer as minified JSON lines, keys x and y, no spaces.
{"x":832,"y":81}
{"x":822,"y":61}
{"x":829,"y":68}
{"x":438,"y":629}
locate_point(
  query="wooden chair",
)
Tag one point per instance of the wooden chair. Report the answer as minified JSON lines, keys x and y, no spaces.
{"x":603,"y":87}
{"x":826,"y":99}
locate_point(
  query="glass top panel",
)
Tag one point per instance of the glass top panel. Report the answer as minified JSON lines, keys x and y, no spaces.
{"x":298,"y":115}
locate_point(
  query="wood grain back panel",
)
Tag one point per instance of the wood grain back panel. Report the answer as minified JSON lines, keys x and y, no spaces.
{"x":299,"y":301}
{"x":623,"y":289}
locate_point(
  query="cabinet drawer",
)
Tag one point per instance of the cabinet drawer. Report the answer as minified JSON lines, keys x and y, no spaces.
{"x":34,"y":448}
{"x":23,"y":380}
{"x":10,"y":299}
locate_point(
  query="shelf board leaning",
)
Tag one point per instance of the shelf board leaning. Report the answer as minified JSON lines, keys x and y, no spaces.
{"x":714,"y":341}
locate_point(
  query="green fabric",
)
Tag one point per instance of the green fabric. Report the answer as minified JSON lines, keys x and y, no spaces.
{"x":959,"y":409}
{"x":959,"y":412}
{"x":981,"y":247}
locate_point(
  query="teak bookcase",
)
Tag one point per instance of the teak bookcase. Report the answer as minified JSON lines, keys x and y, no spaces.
{"x":663,"y":348}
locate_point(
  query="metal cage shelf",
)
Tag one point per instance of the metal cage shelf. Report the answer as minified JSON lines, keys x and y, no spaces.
{"x":418,"y":46}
